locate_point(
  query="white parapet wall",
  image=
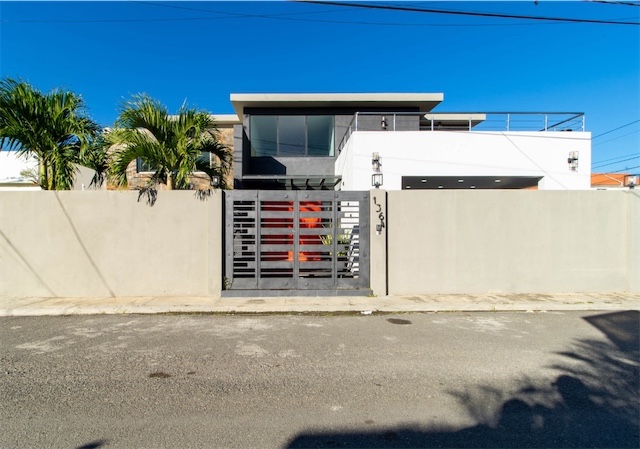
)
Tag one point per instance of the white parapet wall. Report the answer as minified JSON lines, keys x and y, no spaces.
{"x":466,"y":153}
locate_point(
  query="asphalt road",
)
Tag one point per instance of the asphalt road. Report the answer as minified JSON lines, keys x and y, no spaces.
{"x":414,"y":380}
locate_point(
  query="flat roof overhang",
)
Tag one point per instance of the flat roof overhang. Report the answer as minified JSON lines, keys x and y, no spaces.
{"x":294,"y":182}
{"x":469,"y":182}
{"x":424,"y":102}
{"x":225,"y":120}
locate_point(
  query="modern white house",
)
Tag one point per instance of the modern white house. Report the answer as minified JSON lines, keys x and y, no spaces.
{"x":356,"y":141}
{"x":395,"y":141}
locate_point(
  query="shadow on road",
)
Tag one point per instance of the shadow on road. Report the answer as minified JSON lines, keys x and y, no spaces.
{"x":594,"y":401}
{"x":93,"y":445}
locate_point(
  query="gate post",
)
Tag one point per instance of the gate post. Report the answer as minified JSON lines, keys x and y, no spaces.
{"x":378,"y":242}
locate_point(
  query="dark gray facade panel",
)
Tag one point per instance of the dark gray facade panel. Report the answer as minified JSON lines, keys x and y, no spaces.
{"x":388,"y":122}
{"x":238,"y":141}
{"x":306,"y":166}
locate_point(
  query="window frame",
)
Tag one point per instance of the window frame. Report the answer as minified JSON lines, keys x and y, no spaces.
{"x":278,"y":143}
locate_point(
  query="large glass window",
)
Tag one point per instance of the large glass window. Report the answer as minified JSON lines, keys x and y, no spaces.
{"x":320,"y":135}
{"x":264,"y":135}
{"x":291,"y":135}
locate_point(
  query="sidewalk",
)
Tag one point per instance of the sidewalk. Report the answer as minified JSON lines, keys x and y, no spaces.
{"x":318,"y":305}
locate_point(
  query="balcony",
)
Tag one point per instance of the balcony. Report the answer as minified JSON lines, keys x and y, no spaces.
{"x":465,"y":122}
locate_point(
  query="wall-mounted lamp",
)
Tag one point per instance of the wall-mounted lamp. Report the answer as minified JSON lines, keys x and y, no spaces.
{"x":376,"y":178}
{"x":215,"y":181}
{"x":375,"y":162}
{"x":573,"y":160}
{"x":383,"y":122}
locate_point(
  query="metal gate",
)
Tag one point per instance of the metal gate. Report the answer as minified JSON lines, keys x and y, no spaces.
{"x":278,"y":242}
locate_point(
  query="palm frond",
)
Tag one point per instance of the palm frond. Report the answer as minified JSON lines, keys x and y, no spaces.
{"x":53,"y":127}
{"x":172,"y":144}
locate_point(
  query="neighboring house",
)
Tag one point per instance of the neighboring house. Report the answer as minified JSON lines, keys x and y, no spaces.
{"x":606,"y":181}
{"x":20,"y":173}
{"x":338,"y":141}
{"x":15,"y":171}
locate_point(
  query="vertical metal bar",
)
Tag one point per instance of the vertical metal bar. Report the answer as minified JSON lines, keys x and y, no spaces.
{"x":334,"y":238}
{"x":546,"y":121}
{"x":582,"y":122}
{"x":364,"y":250}
{"x":229,"y":238}
{"x":394,"y":122}
{"x":431,"y":122}
{"x":296,"y":238}
{"x":508,"y":121}
{"x":356,"y":121}
{"x":258,"y":234}
{"x":469,"y":123}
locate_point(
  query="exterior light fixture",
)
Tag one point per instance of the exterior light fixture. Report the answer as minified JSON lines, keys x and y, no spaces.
{"x":383,"y":122}
{"x":215,"y":181}
{"x":376,"y":177}
{"x":376,"y":180}
{"x":573,"y":160}
{"x":375,"y":162}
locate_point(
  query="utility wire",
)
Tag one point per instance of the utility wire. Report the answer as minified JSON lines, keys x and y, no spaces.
{"x":281,"y":16}
{"x":616,"y":162}
{"x":615,"y":129}
{"x":607,"y":2}
{"x":616,"y":138}
{"x":465,"y":13}
{"x":625,"y":169}
{"x":617,"y":157}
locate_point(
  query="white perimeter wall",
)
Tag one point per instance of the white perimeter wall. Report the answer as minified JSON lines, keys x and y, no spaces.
{"x":512,"y":241}
{"x":451,"y":153}
{"x":106,"y":243}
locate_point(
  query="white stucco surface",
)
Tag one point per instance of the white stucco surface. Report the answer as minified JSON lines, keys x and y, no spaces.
{"x":466,"y":153}
{"x":10,"y":167}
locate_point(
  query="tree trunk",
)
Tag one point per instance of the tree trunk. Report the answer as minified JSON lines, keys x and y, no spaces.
{"x":42,"y":175}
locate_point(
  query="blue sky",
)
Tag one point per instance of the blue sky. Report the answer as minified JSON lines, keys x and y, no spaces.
{"x":203,"y":51}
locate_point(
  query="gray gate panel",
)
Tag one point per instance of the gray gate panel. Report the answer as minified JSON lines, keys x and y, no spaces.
{"x":296,"y":240}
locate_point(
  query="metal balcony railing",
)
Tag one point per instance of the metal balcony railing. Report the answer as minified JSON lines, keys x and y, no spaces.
{"x":464,"y":121}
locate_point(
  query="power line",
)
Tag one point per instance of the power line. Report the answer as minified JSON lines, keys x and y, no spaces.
{"x":616,"y":138}
{"x":617,"y":157}
{"x":615,"y":129}
{"x":466,"y":13}
{"x":610,"y":2}
{"x":616,"y":162}
{"x":625,"y":169}
{"x":281,"y":16}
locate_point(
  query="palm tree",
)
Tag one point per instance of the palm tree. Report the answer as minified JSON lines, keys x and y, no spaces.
{"x":175,"y":146}
{"x":53,"y":127}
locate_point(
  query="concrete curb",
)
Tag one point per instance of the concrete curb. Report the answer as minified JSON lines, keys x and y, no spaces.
{"x":320,"y":305}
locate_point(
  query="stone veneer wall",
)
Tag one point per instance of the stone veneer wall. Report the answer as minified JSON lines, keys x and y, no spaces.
{"x":200,"y":181}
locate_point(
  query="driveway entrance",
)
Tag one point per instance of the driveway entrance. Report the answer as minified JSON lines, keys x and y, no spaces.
{"x":296,"y":242}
